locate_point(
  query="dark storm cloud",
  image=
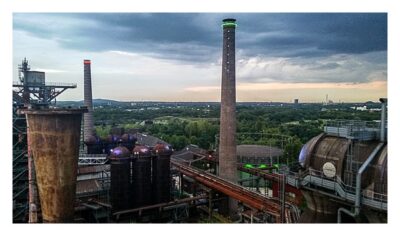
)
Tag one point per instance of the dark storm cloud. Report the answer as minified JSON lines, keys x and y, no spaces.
{"x":319,"y":34}
{"x":197,"y":37}
{"x":170,"y":36}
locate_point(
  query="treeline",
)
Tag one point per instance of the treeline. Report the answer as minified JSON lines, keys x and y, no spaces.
{"x":126,"y":116}
{"x":301,"y":124}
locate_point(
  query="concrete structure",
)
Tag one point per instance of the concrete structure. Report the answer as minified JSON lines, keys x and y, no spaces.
{"x":53,"y":136}
{"x":88,"y":117}
{"x":227,"y":142}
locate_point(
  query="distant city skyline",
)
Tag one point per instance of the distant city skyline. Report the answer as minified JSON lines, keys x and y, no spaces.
{"x":177,"y":57}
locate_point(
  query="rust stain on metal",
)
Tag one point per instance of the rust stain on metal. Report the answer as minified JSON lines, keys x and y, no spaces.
{"x":54,"y":135}
{"x":270,"y":206}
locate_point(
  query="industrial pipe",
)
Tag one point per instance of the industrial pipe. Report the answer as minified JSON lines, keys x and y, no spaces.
{"x":360,"y":171}
{"x":232,"y":190}
{"x":54,"y":138}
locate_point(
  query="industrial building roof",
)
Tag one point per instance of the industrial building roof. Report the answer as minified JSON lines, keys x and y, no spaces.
{"x":148,"y":140}
{"x":258,"y":151}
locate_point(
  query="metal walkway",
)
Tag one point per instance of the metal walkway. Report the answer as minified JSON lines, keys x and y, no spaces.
{"x":371,"y":199}
{"x":92,"y":159}
{"x":252,"y":199}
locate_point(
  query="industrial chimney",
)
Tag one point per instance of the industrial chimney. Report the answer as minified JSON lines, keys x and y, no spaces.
{"x":88,"y":126}
{"x":227,"y":135}
{"x":53,"y":136}
{"x":383,"y":130}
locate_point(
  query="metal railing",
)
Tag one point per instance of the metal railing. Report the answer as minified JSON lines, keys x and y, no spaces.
{"x":92,"y":159}
{"x":355,"y":129}
{"x":316,"y":178}
{"x":48,"y":84}
{"x":58,"y":84}
{"x":356,"y":124}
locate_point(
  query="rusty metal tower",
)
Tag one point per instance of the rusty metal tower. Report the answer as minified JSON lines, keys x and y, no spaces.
{"x":54,"y":138}
{"x":30,"y":90}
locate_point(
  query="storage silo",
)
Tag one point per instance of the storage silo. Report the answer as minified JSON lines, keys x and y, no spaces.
{"x":128,"y":141}
{"x":161,"y":179}
{"x":53,"y":136}
{"x":141,"y":176}
{"x":120,"y":179}
{"x":109,"y":143}
{"x":94,"y":145}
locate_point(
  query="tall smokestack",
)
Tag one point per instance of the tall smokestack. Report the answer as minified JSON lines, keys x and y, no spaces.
{"x":88,"y":126}
{"x":227,"y":135}
{"x":383,"y":119}
{"x":54,"y":139}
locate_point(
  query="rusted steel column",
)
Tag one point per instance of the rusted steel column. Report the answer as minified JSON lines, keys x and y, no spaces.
{"x":227,"y":137}
{"x":54,"y":139}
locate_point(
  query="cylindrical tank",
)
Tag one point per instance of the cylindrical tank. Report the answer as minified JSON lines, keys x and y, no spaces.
{"x":380,"y":172}
{"x":141,"y":176}
{"x":128,"y":141}
{"x":94,"y":145}
{"x":161,"y":178}
{"x":319,"y":208}
{"x":109,"y":143}
{"x":54,"y":142}
{"x":336,"y":158}
{"x":120,"y":179}
{"x":327,"y":156}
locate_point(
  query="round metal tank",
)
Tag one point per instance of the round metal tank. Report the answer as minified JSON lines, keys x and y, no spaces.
{"x":141,"y":176}
{"x":328,"y":156}
{"x":110,"y":142}
{"x":128,"y":141}
{"x":340,"y":159}
{"x":94,"y":145}
{"x":380,"y":173}
{"x":120,"y":178}
{"x":306,"y":151}
{"x":161,"y":174}
{"x":325,"y":155}
{"x":53,"y":136}
{"x":319,"y":209}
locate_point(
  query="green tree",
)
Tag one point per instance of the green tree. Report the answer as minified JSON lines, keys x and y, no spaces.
{"x":292,"y":150}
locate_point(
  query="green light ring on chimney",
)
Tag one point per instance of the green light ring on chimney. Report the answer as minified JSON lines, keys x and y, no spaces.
{"x":230,"y":24}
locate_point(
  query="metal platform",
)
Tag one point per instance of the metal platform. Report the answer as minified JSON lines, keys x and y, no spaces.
{"x":351,"y":129}
{"x":336,"y":186}
{"x":92,"y":159}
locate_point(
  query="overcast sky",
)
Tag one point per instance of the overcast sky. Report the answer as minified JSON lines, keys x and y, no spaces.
{"x":177,"y":57}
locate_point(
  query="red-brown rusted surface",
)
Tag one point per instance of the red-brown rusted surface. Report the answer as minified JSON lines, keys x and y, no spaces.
{"x":54,"y":138}
{"x":271,"y":206}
